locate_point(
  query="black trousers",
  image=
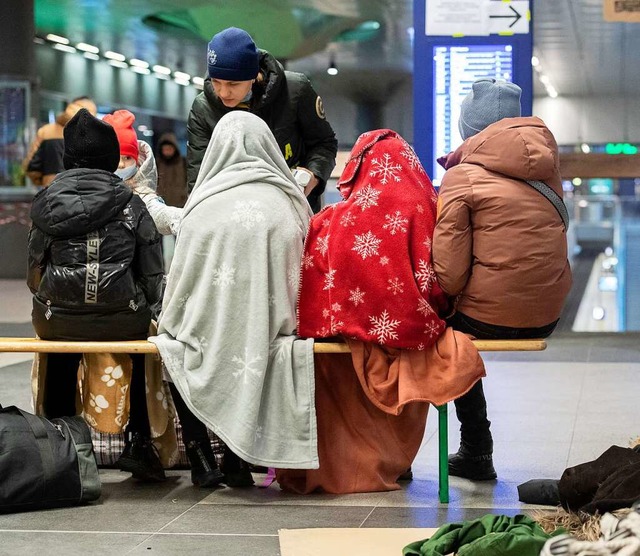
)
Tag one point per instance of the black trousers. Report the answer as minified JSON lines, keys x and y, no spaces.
{"x":61,"y":384}
{"x":193,"y":430}
{"x":471,"y":409}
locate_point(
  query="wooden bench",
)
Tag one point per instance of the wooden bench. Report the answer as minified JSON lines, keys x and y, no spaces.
{"x":35,"y":345}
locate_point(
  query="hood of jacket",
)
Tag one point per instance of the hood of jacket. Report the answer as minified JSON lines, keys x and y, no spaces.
{"x":243,"y":151}
{"x":79,"y":201}
{"x":168,"y":138}
{"x":265,"y":90}
{"x":147,"y":175}
{"x":521,"y":148}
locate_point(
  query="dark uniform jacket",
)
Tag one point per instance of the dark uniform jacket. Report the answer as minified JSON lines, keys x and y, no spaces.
{"x":292,"y":109}
{"x":95,"y":259}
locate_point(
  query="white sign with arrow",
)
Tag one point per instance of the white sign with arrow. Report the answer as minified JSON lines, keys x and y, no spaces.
{"x":477,"y":17}
{"x":509,"y":17}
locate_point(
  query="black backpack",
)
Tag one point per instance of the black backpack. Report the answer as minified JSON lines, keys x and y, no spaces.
{"x":45,"y":463}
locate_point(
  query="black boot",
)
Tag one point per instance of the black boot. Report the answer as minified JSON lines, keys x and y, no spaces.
{"x":468,"y":466}
{"x":204,"y":467}
{"x":140,"y":458}
{"x":236,"y":471}
{"x":474,"y":459}
{"x":406,"y":476}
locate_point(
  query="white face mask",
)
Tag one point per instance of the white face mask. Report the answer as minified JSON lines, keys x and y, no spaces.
{"x":126,"y":173}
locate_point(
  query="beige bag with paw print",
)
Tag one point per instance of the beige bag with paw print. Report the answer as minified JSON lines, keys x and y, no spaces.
{"x":105,"y":387}
{"x":104,"y":381}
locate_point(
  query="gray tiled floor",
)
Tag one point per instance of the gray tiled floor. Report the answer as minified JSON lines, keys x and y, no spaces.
{"x":549,"y":410}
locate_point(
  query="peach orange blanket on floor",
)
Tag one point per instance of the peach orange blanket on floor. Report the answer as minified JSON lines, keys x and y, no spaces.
{"x":372,"y":407}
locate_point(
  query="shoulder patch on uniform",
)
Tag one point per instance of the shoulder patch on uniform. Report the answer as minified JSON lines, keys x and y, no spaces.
{"x":320,"y":108}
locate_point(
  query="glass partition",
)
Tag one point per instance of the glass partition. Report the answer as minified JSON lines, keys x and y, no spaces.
{"x":607,"y":254}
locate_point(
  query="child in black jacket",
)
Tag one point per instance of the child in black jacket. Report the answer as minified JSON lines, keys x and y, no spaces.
{"x":96,"y":271}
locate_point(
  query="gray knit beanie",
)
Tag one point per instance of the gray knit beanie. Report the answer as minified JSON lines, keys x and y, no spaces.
{"x":488,"y":102}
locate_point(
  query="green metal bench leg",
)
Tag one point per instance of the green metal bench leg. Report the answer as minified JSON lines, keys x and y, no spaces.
{"x":443,"y":454}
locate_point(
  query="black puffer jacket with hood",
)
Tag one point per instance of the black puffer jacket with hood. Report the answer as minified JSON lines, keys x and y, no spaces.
{"x":95,"y":259}
{"x":292,"y":109}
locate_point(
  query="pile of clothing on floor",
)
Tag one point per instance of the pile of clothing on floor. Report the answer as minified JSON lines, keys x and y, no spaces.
{"x":520,"y":535}
{"x":608,"y":483}
{"x":489,"y":535}
{"x":582,"y":525}
{"x":618,"y":537}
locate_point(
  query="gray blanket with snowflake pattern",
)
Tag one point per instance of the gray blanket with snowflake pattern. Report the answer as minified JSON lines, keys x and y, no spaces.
{"x":226,"y":332}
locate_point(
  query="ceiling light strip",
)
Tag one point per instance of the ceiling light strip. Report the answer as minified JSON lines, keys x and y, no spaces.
{"x":57,"y":38}
{"x":115,"y":56}
{"x":64,"y":47}
{"x":118,"y":64}
{"x":138,"y":63}
{"x":182,"y":76}
{"x":138,"y":69}
{"x":162,"y":69}
{"x":87,"y":48}
{"x":118,"y":60}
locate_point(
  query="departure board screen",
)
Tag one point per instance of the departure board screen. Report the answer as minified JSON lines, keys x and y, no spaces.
{"x":455,"y":68}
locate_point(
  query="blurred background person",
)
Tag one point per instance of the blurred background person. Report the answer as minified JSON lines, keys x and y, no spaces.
{"x":172,"y":183}
{"x":44,"y":159}
{"x":172,"y":171}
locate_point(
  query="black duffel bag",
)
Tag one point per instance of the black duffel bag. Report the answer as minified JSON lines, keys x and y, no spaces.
{"x":45,"y":463}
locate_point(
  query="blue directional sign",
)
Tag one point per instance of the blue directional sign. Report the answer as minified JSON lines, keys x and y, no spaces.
{"x":486,"y":38}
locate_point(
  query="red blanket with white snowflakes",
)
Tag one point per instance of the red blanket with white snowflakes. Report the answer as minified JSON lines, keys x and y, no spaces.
{"x":366,"y":268}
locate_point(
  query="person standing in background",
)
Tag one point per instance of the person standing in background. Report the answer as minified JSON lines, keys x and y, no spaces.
{"x":44,"y":159}
{"x":242,"y":77}
{"x":172,"y":171}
